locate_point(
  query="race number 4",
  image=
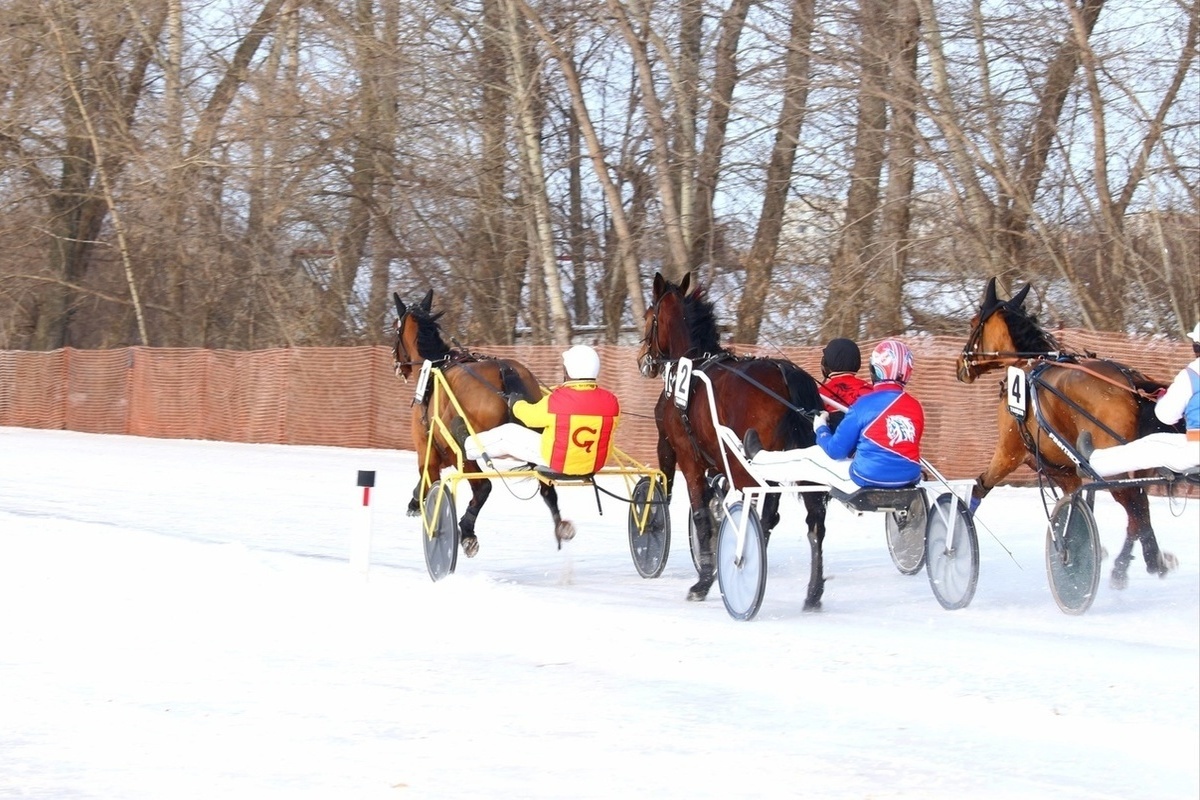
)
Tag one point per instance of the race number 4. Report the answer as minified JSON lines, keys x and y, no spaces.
{"x":1015,"y":390}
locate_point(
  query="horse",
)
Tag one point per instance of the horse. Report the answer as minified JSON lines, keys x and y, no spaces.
{"x":771,"y":395}
{"x":480,"y":384}
{"x":1074,"y":393}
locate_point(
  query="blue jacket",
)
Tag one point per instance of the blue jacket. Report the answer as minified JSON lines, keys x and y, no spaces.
{"x":882,"y":430}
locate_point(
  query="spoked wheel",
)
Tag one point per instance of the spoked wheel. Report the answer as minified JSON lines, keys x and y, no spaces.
{"x":716,"y":508}
{"x":649,"y":527}
{"x":743,"y":583}
{"x":953,"y":568}
{"x":906,"y":536}
{"x":439,"y":530}
{"x":1073,"y":554}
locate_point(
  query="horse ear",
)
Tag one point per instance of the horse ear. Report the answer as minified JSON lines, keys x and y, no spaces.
{"x":400,"y":307}
{"x":659,"y":285}
{"x":427,"y":301}
{"x":989,"y":294}
{"x":683,"y":284}
{"x":1019,"y":297}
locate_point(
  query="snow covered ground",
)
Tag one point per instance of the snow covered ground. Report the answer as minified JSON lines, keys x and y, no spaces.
{"x":181,"y":619}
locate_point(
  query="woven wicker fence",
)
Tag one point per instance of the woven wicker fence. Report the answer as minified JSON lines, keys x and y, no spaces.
{"x":349,"y":397}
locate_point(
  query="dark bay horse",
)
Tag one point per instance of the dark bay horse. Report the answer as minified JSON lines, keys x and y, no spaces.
{"x":479,"y":384}
{"x":1073,"y":393}
{"x":767,"y":394}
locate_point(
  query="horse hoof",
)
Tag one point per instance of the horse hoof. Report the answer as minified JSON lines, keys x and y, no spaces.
{"x":699,"y":591}
{"x":1167,"y":562}
{"x":470,"y":546}
{"x":564,"y":531}
{"x":812,"y":605}
{"x":1119,"y":582}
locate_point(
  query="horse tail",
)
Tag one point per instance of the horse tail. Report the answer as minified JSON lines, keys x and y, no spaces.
{"x":516,"y":379}
{"x":805,"y":400}
{"x":510,"y":381}
{"x":1145,"y":388}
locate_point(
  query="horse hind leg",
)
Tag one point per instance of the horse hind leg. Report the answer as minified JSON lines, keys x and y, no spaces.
{"x":480,"y":489}
{"x":564,"y":529}
{"x":1137,"y":507}
{"x":815,"y":520}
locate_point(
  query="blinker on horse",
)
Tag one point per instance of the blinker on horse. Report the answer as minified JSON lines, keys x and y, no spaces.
{"x":1073,"y":393}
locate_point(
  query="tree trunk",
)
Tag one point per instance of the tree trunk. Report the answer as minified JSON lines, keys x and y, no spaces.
{"x":760,"y":261}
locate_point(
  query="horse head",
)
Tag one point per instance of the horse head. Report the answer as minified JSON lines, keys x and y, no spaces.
{"x":417,"y":335}
{"x":991,"y":343}
{"x":666,"y":335}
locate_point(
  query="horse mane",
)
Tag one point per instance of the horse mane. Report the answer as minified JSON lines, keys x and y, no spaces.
{"x":430,"y":343}
{"x":701,"y":319}
{"x":1027,"y":335}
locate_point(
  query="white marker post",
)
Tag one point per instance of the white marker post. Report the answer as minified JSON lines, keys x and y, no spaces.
{"x":360,"y":539}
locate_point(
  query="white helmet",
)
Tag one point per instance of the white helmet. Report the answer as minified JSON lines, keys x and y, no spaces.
{"x":581,"y":363}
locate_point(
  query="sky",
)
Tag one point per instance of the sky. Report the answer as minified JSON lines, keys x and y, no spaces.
{"x":183,"y":619}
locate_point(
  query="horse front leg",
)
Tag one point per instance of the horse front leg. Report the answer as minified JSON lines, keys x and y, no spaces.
{"x":706,"y":558}
{"x":1008,"y":455}
{"x":414,"y":505}
{"x":480,"y":489}
{"x":564,"y":529}
{"x":816,"y":504}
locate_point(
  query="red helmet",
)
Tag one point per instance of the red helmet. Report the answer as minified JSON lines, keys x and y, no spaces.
{"x":891,"y":360}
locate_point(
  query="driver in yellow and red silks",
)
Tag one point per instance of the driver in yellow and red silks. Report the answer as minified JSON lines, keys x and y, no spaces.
{"x":569,"y":430}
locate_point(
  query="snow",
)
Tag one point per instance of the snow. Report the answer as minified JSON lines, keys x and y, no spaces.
{"x":181,"y":619}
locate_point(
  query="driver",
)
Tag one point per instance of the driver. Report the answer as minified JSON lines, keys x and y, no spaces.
{"x":1178,"y":452}
{"x":878,"y":443}
{"x":569,"y":430}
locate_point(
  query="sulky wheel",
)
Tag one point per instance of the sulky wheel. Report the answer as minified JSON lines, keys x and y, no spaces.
{"x":743,"y":582}
{"x":439,"y":528}
{"x":906,"y":536}
{"x":649,"y":527}
{"x":951,"y":552}
{"x":1073,"y":554}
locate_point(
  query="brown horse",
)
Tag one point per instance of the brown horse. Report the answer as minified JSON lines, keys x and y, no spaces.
{"x":770,"y":395}
{"x":1066,"y":394}
{"x":479,"y":384}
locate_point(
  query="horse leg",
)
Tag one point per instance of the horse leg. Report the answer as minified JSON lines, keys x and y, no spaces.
{"x":1137,"y":509}
{"x":706,"y":560}
{"x":414,"y":505}
{"x":1008,"y":455}
{"x":666,"y":461}
{"x":480,"y":489}
{"x":770,"y":516}
{"x":564,"y":529}
{"x":815,"y":520}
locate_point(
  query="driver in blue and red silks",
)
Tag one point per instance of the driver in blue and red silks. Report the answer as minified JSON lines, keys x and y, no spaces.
{"x":877,"y":444}
{"x":569,"y":430}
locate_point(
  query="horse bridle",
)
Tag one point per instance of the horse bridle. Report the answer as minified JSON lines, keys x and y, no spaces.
{"x":397,"y":361}
{"x":654,"y":355}
{"x":971,"y":358}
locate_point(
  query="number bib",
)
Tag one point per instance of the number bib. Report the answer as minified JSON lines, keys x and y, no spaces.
{"x":1015,"y":392}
